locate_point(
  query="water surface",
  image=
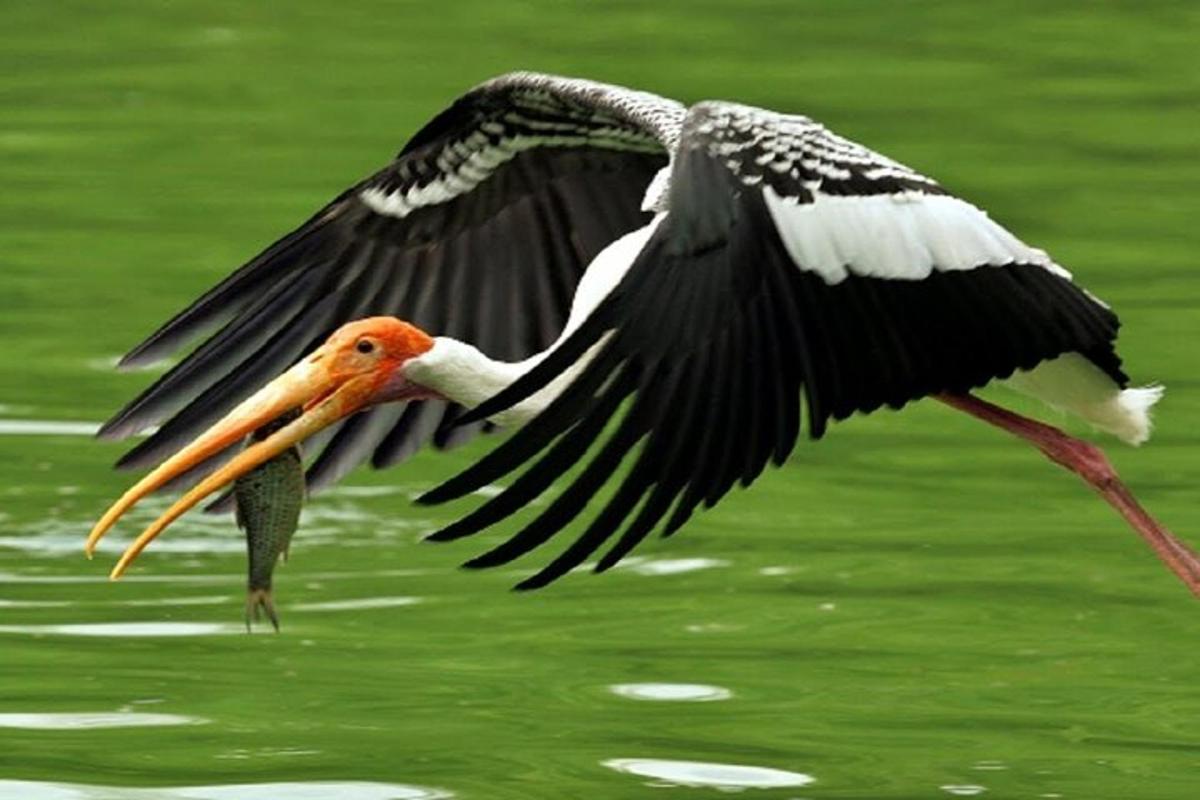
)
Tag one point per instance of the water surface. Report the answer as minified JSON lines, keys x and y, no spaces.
{"x":916,"y":607}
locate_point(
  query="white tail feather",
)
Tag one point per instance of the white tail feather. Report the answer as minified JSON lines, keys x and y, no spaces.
{"x":1073,"y":384}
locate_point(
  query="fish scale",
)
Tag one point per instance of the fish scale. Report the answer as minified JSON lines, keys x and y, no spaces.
{"x":269,"y":499}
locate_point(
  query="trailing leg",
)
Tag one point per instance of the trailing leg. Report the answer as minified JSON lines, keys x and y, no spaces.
{"x":1089,"y":462}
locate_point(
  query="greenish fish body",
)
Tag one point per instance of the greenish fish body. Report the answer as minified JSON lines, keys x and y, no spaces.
{"x":269,"y":499}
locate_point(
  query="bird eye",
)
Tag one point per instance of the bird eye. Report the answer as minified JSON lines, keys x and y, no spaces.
{"x":365,"y":346}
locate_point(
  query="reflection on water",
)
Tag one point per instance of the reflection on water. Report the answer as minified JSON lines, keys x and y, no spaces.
{"x":315,"y":790}
{"x":33,"y":603}
{"x":670,"y":566}
{"x":349,"y":490}
{"x":68,"y":721}
{"x":356,"y":605}
{"x":322,"y":522}
{"x":60,"y":537}
{"x":102,"y":577}
{"x":687,"y":692}
{"x":713,"y":627}
{"x":47,"y":427}
{"x":199,"y":578}
{"x":700,"y":773}
{"x":203,"y":600}
{"x":107,"y":364}
{"x":245,"y":754}
{"x":135,"y":629}
{"x":964,"y":790}
{"x":887,"y":619}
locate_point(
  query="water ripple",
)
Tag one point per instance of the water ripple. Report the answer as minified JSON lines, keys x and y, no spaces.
{"x":351,"y":490}
{"x":33,"y":603}
{"x":701,"y":773}
{"x":311,"y":790}
{"x":683,"y":692}
{"x":133,"y":629}
{"x":46,"y":427}
{"x":109,"y":364}
{"x":81,"y":721}
{"x":322,"y":523}
{"x":672,"y":566}
{"x":356,"y":604}
{"x":201,"y":579}
{"x":202,"y":600}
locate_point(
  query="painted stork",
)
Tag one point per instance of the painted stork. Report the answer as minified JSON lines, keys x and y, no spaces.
{"x":735,"y":274}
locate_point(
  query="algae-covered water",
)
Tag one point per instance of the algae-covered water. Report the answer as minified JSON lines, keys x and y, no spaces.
{"x":916,"y":607}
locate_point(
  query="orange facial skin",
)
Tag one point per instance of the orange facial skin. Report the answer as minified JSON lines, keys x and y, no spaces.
{"x":360,"y":365}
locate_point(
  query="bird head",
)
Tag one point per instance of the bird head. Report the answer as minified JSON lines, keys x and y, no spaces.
{"x":360,"y":365}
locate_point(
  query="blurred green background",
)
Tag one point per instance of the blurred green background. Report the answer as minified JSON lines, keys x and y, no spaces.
{"x":916,"y":607}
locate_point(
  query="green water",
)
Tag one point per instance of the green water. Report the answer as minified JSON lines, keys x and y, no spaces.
{"x":914,"y":608}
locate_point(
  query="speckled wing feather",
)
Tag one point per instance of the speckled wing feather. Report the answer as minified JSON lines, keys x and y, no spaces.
{"x":793,"y":267}
{"x":479,"y":229}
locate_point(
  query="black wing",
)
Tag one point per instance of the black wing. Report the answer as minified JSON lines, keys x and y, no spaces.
{"x":793,"y":267}
{"x":480,"y":230}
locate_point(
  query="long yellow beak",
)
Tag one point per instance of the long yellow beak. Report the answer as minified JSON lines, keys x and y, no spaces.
{"x":308,"y":384}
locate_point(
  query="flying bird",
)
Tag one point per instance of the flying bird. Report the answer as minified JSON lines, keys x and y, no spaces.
{"x":625,"y":281}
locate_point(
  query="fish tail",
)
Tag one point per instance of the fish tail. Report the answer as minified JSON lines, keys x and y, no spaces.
{"x":258,"y":602}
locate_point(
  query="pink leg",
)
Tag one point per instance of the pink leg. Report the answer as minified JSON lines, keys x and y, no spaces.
{"x":1089,"y":462}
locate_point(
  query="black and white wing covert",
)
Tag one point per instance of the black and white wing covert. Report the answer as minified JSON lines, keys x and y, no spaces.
{"x":479,"y":229}
{"x":793,"y":267}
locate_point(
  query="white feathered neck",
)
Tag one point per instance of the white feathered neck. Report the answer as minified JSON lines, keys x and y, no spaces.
{"x":461,"y":372}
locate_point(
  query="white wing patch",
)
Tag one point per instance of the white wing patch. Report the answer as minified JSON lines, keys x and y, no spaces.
{"x":898,"y":236}
{"x":658,"y":192}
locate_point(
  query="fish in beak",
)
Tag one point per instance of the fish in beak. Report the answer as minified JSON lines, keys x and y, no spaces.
{"x":360,"y":365}
{"x":269,"y":499}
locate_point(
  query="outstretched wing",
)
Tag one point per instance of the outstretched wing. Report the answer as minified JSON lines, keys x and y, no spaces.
{"x":480,"y":229}
{"x":793,"y":266}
